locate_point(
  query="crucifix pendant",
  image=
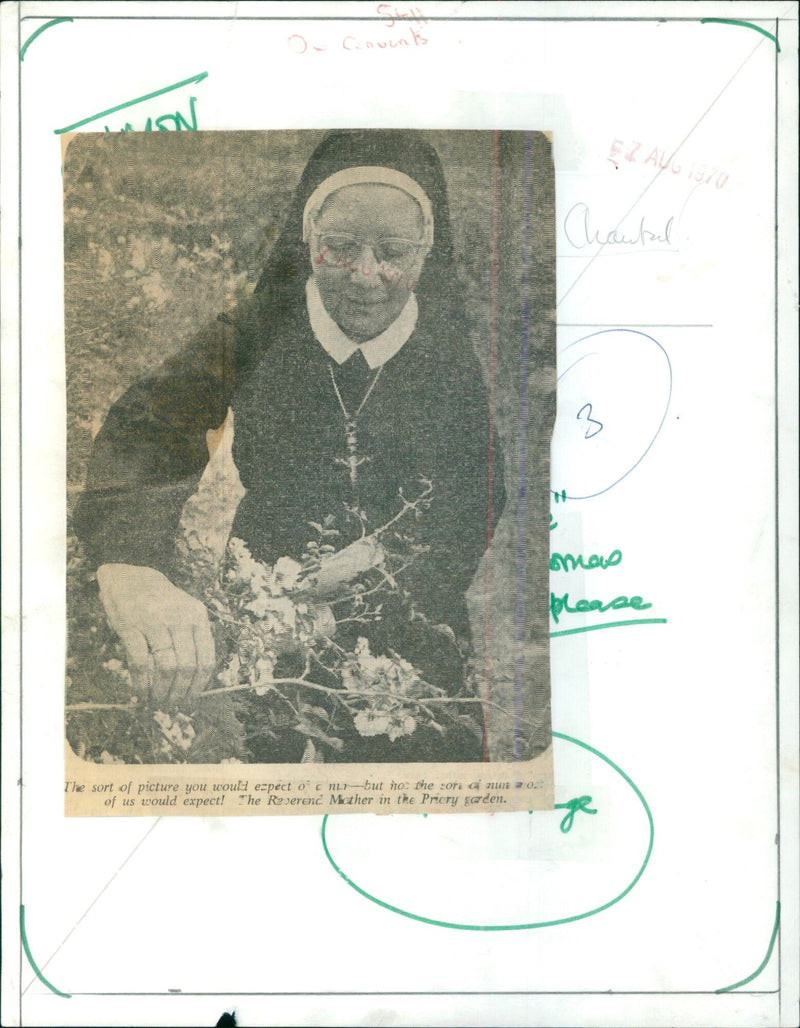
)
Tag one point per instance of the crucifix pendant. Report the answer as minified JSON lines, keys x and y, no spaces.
{"x":352,"y":461}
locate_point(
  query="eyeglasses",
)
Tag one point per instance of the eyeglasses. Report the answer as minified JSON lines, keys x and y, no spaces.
{"x":342,"y":249}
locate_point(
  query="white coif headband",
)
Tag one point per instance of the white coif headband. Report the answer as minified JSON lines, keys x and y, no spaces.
{"x":373,"y":175}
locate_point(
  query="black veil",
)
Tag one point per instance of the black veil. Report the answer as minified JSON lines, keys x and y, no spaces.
{"x":280,"y":291}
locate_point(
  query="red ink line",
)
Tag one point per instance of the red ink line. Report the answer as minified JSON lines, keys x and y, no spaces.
{"x":490,"y":512}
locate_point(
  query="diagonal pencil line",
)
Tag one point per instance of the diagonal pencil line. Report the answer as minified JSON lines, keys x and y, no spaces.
{"x":97,"y":897}
{"x":660,"y":171}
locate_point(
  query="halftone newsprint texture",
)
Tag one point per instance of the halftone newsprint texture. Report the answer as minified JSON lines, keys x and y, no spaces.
{"x":311,"y":390}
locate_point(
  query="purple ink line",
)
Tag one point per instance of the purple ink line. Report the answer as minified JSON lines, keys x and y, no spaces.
{"x":523,"y":452}
{"x":487,"y":632}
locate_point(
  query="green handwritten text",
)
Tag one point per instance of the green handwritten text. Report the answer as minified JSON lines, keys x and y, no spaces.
{"x":572,"y":807}
{"x":167,"y":122}
{"x":560,"y":605}
{"x":566,"y":561}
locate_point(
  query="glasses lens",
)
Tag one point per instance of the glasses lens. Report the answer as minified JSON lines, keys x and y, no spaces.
{"x":400,"y":252}
{"x":339,"y":248}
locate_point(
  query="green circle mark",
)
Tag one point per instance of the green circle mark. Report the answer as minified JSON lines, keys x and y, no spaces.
{"x":513,"y":927}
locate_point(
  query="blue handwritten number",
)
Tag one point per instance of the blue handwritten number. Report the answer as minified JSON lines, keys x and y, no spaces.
{"x":572,"y":807}
{"x":592,"y":421}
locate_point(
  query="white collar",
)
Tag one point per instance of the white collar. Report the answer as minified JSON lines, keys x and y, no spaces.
{"x":376,"y":351}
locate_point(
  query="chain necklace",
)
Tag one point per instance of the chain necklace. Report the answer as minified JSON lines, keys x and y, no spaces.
{"x":352,"y":461}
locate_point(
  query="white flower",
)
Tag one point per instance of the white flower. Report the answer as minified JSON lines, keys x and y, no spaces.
{"x":262,"y":675}
{"x":258,"y":605}
{"x":237,"y":549}
{"x":184,"y":737}
{"x":248,"y":570}
{"x":401,"y":724}
{"x":179,"y":732}
{"x":369,"y":722}
{"x":395,"y":725}
{"x":230,"y":676}
{"x":284,"y":611}
{"x":259,"y":577}
{"x":286,"y":572}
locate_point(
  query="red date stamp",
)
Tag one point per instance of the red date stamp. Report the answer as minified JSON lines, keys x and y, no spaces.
{"x":635,"y":152}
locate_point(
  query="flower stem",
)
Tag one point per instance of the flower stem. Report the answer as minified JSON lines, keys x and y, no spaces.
{"x":102,"y":706}
{"x":342,"y":694}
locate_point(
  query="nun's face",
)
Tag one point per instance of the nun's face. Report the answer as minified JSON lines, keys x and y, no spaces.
{"x":367,"y":254}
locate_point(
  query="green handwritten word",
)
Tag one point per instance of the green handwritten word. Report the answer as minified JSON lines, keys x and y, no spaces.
{"x":572,"y":807}
{"x":178,"y":122}
{"x":553,"y":524}
{"x":560,"y":605}
{"x":566,"y":562}
{"x":132,"y":103}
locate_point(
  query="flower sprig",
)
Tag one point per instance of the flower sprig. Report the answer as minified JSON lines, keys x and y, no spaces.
{"x":294,"y":655}
{"x":288,"y":614}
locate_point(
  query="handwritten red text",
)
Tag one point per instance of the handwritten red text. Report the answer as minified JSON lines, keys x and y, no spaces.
{"x":394,"y":14}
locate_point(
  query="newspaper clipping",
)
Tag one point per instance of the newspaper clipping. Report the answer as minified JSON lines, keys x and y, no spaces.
{"x":311,"y":391}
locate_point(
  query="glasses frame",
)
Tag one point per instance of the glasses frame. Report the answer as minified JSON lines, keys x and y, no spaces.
{"x":417,"y":247}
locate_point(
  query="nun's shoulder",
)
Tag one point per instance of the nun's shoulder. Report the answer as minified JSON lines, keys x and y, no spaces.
{"x":247,"y":314}
{"x":207,"y":355}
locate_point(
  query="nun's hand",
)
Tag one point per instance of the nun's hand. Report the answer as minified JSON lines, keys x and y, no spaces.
{"x":343,"y":566}
{"x":165,"y":631}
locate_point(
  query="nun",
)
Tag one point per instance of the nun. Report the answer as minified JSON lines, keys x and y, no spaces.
{"x":348,"y":377}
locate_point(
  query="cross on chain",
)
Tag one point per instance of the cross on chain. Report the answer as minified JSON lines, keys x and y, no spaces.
{"x":352,"y":461}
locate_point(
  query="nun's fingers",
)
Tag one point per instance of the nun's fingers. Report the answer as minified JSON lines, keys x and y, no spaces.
{"x":206,"y":657}
{"x":139,"y":664}
{"x":185,"y":661}
{"x":136,"y":649}
{"x":165,"y":662}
